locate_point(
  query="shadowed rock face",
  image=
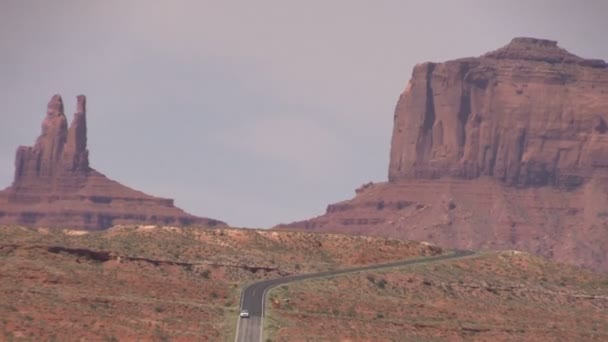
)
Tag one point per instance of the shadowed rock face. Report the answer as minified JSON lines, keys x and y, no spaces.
{"x":54,"y":185}
{"x":504,"y":151}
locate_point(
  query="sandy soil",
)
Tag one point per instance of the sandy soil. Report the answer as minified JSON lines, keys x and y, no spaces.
{"x":501,"y":296}
{"x":157,"y":283}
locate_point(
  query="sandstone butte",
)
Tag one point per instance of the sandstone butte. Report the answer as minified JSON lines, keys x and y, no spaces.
{"x":54,"y":186}
{"x":508,"y":150}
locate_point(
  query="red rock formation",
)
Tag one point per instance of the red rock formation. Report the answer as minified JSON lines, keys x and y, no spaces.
{"x":54,"y":185}
{"x":527,"y":114}
{"x":507,"y":150}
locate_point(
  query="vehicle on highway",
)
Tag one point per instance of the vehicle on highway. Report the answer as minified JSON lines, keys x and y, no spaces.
{"x":244,"y":314}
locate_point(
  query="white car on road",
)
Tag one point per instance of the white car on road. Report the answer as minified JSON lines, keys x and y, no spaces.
{"x":244,"y":314}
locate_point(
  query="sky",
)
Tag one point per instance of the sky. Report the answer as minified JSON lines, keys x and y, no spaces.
{"x":252,"y":112}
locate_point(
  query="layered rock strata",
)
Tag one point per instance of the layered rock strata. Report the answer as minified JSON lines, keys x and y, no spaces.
{"x":508,"y":150}
{"x":528,"y":114}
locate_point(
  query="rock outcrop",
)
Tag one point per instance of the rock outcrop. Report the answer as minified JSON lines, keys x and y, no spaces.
{"x":508,"y":150}
{"x":529,"y":113}
{"x":54,"y":186}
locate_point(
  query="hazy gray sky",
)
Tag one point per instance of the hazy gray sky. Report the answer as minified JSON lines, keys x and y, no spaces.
{"x":253,"y":112}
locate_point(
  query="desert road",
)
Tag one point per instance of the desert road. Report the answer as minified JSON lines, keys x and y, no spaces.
{"x":254,"y":295}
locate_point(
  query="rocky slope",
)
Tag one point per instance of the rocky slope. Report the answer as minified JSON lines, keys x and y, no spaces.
{"x":148,"y":283}
{"x":54,"y":185}
{"x":497,"y":296}
{"x":506,"y":150}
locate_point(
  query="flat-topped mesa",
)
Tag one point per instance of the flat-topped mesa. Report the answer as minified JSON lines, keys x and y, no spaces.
{"x":504,"y":151}
{"x":55,"y":186}
{"x":542,"y":50}
{"x":530,"y":113}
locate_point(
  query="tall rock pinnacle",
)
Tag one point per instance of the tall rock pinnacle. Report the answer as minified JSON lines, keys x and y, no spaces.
{"x":58,"y":150}
{"x":55,"y":186}
{"x":76,"y":155}
{"x":49,"y":146}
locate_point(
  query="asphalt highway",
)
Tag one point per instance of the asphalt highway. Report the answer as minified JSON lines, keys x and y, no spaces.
{"x":254,"y":295}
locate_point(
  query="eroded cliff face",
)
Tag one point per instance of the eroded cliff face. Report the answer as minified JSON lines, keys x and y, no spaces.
{"x":54,"y":185}
{"x":528,"y":114}
{"x":505,"y":151}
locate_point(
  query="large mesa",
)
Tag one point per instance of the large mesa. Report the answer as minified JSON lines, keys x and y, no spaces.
{"x":530,"y":113}
{"x":508,"y":150}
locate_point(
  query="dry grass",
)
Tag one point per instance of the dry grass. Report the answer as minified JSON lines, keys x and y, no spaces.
{"x":496,"y":297}
{"x":156,"y":283}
